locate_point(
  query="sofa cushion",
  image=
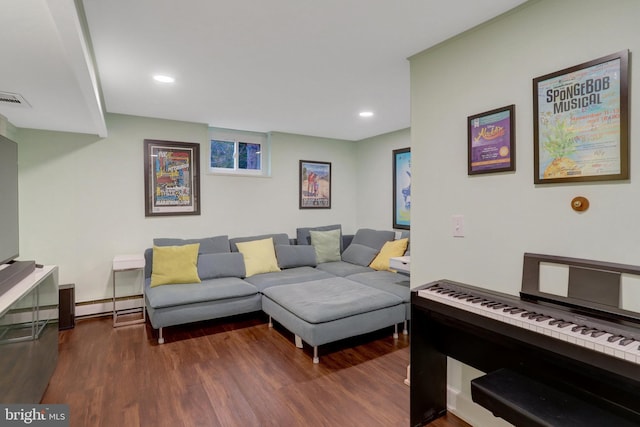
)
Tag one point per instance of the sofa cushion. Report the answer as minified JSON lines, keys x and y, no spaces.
{"x":217,"y":244}
{"x":342,"y":268}
{"x":304,"y":238}
{"x":406,"y":235}
{"x":329,"y":299}
{"x":212,"y":266}
{"x":192,"y":293}
{"x":288,"y":276}
{"x":175,"y":264}
{"x":278,"y":239}
{"x":396,"y":283}
{"x":259,"y":256}
{"x":373,"y":238}
{"x":326,"y":245}
{"x":208,"y":245}
{"x":389,"y":250}
{"x":359,"y":254}
{"x":290,"y":256}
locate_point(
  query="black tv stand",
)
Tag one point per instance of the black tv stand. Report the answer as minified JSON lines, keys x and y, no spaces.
{"x":13,"y":273}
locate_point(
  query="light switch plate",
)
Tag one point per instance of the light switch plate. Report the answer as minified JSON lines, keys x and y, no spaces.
{"x":458,"y":225}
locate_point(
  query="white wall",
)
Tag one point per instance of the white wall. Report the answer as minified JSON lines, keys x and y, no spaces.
{"x":506,"y":214}
{"x":7,"y":129}
{"x":82,"y":198}
{"x":374,"y":193}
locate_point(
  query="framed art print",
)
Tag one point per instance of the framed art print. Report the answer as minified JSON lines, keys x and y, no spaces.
{"x":315,"y":185}
{"x":171,"y":178}
{"x":581,"y":122}
{"x":402,"y":188}
{"x":491,"y":141}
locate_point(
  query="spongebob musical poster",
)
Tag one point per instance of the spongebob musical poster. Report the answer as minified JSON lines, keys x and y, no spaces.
{"x":581,"y":122}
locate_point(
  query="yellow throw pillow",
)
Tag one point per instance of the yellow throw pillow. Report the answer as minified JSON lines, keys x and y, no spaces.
{"x":175,"y":264}
{"x":259,"y":256}
{"x":390,"y":250}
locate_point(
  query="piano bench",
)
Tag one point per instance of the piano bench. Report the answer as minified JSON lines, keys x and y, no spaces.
{"x":526,"y":402}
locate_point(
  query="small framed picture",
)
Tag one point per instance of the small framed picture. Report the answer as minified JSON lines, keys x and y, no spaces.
{"x":581,"y":122}
{"x":315,"y":185}
{"x":491,"y":141}
{"x":171,"y":178}
{"x":402,"y":188}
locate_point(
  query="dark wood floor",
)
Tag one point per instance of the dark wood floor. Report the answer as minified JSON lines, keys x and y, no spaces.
{"x":235,"y":372}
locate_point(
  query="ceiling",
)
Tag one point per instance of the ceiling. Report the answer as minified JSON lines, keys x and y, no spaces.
{"x":296,"y":66}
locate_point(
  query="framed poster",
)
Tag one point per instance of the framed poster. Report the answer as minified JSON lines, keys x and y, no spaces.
{"x":402,"y":188}
{"x":171,"y":178}
{"x":491,"y":141}
{"x":315,"y":185}
{"x":581,"y":122}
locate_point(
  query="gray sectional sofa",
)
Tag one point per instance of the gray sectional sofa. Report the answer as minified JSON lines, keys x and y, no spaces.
{"x":320,"y":298}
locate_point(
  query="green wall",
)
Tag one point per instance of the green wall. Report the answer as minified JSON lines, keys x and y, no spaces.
{"x":375,"y":178}
{"x":506,"y":214}
{"x":82,"y":197}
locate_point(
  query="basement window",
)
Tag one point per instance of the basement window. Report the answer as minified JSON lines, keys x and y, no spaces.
{"x":238,"y":152}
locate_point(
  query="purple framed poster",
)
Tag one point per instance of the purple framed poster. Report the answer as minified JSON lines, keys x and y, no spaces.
{"x":491,"y":139}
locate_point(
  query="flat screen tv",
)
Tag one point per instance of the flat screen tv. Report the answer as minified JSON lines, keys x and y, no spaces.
{"x":9,"y":239}
{"x":10,"y":272}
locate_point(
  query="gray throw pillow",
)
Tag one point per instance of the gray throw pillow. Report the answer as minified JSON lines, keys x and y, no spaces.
{"x":290,"y":256}
{"x":359,"y":254}
{"x":208,"y":245}
{"x":373,"y":238}
{"x":304,"y":238}
{"x":278,"y":239}
{"x":213,"y":266}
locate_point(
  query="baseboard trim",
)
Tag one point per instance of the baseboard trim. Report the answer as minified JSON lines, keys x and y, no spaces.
{"x":104,"y":307}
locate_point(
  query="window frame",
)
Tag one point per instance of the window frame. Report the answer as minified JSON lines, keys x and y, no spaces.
{"x":237,"y":138}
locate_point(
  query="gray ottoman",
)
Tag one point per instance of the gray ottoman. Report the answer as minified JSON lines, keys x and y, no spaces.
{"x":327,"y":310}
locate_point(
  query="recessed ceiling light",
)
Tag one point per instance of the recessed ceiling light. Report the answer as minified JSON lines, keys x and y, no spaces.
{"x":163,"y":79}
{"x":366,"y":114}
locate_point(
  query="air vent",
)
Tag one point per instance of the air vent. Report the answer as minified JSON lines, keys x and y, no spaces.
{"x":17,"y":100}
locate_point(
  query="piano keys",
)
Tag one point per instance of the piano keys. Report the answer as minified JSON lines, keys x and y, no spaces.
{"x":579,"y":343}
{"x":601,"y":336}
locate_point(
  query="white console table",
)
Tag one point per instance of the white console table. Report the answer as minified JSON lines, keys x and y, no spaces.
{"x":29,"y":336}
{"x":401,"y":264}
{"x":34,"y":294}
